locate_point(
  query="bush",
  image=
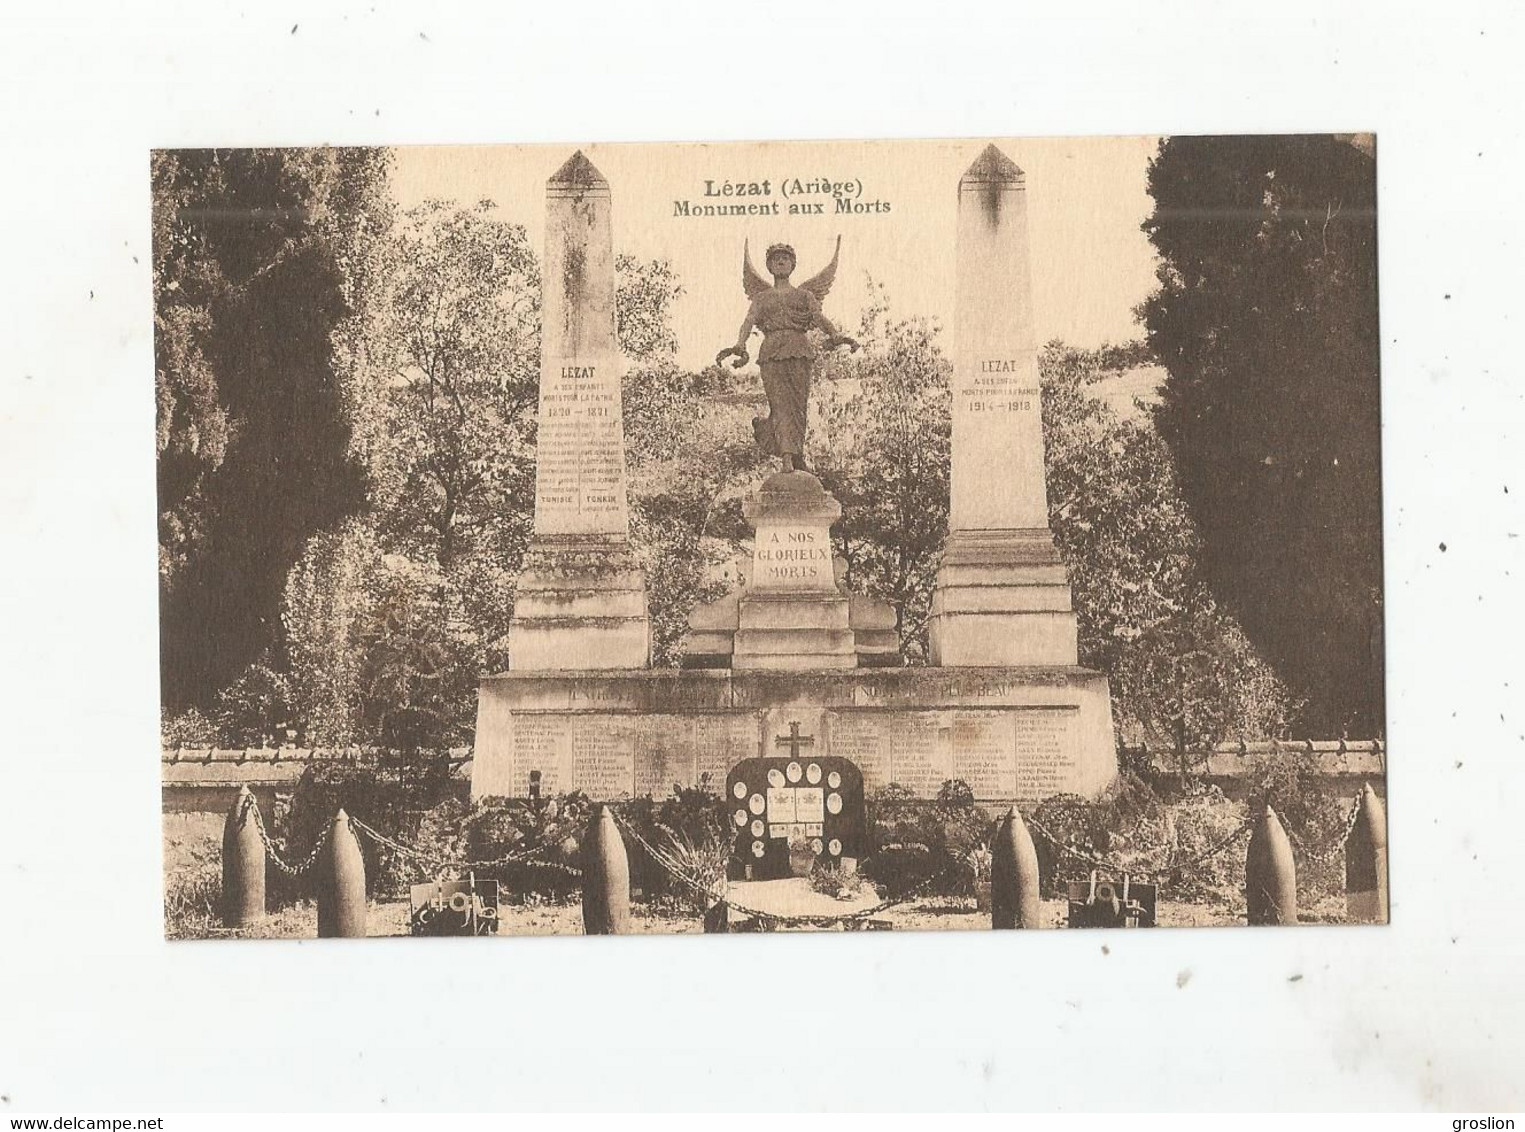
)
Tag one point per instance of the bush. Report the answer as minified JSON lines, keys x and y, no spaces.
{"x":912,"y":840}
{"x":193,"y":891}
{"x":1181,"y":845}
{"x":188,"y":729}
{"x":1127,"y":827}
{"x":1201,"y":819}
{"x":831,"y":879}
{"x":500,"y":827}
{"x":690,"y":816}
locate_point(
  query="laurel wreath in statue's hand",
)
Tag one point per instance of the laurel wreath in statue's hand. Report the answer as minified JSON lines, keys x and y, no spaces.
{"x":741,"y":356}
{"x":842,"y":340}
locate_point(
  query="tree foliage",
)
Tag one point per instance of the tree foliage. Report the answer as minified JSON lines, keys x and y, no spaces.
{"x":882,"y":449}
{"x":1266,"y":321}
{"x":392,"y":617}
{"x":258,"y":255}
{"x":1180,"y":668}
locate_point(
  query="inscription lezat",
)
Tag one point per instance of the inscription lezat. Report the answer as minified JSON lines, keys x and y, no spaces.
{"x":580,"y":451}
{"x":1000,"y":385}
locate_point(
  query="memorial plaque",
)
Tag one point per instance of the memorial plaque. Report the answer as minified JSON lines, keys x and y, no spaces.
{"x":920,"y":750}
{"x":542,"y":741}
{"x":666,"y":754}
{"x":792,"y":557}
{"x":859,"y":736}
{"x":1048,"y":752}
{"x":781,"y":804}
{"x":810,"y":804}
{"x":580,"y":453}
{"x":985,"y":752}
{"x":833,"y":825}
{"x":603,"y":755}
{"x":722,"y":741}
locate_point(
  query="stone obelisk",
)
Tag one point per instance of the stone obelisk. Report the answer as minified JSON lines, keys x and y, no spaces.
{"x":1002,"y":595}
{"x":581,"y":600}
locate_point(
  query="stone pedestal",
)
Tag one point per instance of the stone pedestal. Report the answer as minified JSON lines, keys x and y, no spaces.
{"x":581,"y":604}
{"x":1013,"y":734}
{"x":581,"y":599}
{"x":793,"y":615}
{"x":1002,"y":595}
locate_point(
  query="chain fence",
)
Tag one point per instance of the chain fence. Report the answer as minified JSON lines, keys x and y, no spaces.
{"x":708,"y":894}
{"x":1170,"y":864}
{"x":432,"y":860}
{"x":1337,"y":846}
{"x":291,"y":870}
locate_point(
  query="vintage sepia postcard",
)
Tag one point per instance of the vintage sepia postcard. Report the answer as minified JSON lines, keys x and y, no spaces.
{"x":751,"y":537}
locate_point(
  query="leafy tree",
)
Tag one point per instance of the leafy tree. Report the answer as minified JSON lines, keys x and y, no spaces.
{"x":255,"y":710}
{"x":692,"y":461}
{"x":258,"y":256}
{"x":392,"y":618}
{"x":1266,"y":321}
{"x":330,"y":594}
{"x":882,"y":449}
{"x":1181,"y":669}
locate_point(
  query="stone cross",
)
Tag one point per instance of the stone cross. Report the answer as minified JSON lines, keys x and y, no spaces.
{"x":794,"y":740}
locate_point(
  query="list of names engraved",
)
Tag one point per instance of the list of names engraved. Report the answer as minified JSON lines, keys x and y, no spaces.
{"x":580,"y":451}
{"x":542,"y":741}
{"x":920,"y":750}
{"x":722,"y":741}
{"x":985,"y":752}
{"x":603,"y":755}
{"x":1048,"y":752}
{"x":860,"y":736}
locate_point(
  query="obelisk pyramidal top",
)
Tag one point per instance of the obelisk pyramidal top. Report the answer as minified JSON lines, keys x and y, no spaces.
{"x":581,"y":599}
{"x":1002,"y":596}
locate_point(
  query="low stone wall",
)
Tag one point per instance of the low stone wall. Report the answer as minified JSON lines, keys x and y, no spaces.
{"x":205,"y":781}
{"x":1343,"y":764}
{"x":201,"y":781}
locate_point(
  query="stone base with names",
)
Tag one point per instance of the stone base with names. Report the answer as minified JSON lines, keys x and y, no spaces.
{"x":1013,"y":734}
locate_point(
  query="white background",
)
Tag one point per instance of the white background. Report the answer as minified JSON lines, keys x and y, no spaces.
{"x":98,"y":1014}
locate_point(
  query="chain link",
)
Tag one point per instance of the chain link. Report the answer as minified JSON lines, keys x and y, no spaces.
{"x":1171,"y":865}
{"x":274,"y":854}
{"x":521,"y":857}
{"x":440,"y":860}
{"x":1336,"y":847}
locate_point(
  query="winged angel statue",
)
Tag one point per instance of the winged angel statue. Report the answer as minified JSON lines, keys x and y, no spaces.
{"x":784,"y":313}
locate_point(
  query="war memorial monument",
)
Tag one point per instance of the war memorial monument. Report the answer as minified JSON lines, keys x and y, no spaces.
{"x":791,"y":666}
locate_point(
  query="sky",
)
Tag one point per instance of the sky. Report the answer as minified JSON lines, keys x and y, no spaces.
{"x":1091,"y":263}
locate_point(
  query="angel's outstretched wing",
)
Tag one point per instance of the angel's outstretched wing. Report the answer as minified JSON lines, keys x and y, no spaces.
{"x":819,"y":284}
{"x":751,"y":282}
